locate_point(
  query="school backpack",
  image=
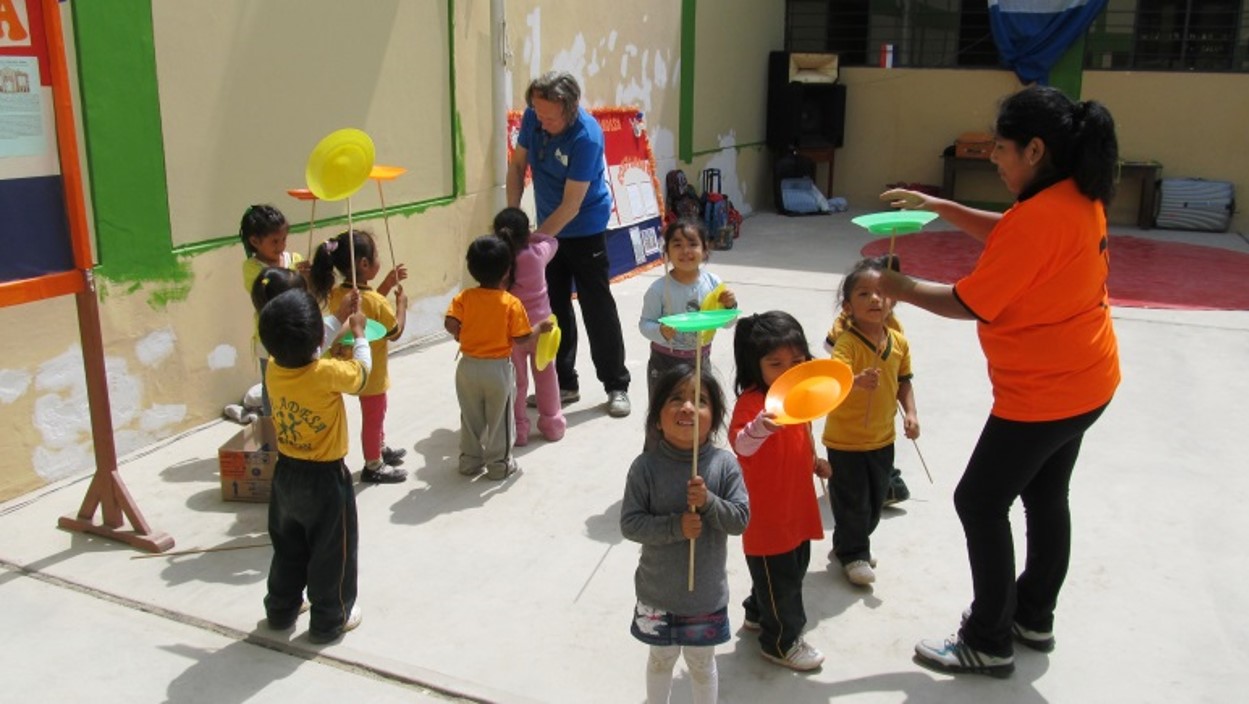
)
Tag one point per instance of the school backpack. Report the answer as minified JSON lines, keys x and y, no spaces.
{"x":721,"y":218}
{"x":681,"y":200}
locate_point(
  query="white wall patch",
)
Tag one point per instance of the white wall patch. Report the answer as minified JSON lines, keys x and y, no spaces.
{"x":223,"y":357}
{"x":156,"y":347}
{"x":125,"y":392}
{"x":54,"y":464}
{"x":13,"y":383}
{"x":62,"y":372}
{"x":63,"y":421}
{"x":159,"y":417}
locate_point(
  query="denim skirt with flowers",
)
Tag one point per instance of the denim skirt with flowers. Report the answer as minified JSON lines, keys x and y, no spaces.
{"x":656,"y":627}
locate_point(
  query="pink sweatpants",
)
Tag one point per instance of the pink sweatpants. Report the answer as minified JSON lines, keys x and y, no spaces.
{"x":551,"y":421}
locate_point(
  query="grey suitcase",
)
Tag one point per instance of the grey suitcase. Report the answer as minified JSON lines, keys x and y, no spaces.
{"x":1195,"y":204}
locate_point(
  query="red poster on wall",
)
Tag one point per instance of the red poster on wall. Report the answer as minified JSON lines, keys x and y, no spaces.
{"x":637,"y":212}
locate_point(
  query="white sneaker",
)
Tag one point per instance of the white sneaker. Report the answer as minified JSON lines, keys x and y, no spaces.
{"x":801,"y":657}
{"x":860,"y":573}
{"x":353,"y":620}
{"x":832,"y":557}
{"x":954,"y":656}
{"x":618,"y":404}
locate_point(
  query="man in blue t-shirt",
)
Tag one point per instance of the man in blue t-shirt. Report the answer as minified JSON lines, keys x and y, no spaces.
{"x":562,"y":145}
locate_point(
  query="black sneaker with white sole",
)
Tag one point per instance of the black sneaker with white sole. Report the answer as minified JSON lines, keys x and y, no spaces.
{"x":393,"y":456}
{"x":954,"y":656}
{"x":1040,"y":641}
{"x":897,"y":492}
{"x":383,"y":474}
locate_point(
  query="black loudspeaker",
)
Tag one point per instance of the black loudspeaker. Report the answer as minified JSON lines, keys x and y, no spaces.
{"x":809,"y":112}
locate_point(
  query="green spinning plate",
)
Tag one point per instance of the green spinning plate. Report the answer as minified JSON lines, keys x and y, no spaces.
{"x":895,"y":222}
{"x":700,"y":320}
{"x":373,"y":331}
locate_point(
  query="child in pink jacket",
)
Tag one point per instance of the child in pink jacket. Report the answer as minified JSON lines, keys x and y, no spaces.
{"x":532,"y":252}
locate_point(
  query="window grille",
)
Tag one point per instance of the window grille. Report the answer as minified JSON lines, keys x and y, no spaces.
{"x":1161,"y":35}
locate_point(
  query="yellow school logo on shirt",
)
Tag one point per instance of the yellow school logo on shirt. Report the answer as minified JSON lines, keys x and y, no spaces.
{"x":296,"y":425}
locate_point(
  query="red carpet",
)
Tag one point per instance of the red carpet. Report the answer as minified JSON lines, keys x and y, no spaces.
{"x":1143,"y":273}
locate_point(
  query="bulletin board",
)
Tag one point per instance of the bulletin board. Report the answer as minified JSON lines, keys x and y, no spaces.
{"x":633,"y":229}
{"x":38,"y":259}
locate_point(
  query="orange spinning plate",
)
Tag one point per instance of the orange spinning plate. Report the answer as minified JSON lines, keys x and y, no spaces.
{"x":386,"y":173}
{"x":340,"y":164}
{"x":809,"y":391}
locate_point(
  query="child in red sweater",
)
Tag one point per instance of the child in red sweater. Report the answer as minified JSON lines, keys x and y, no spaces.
{"x":777,"y":462}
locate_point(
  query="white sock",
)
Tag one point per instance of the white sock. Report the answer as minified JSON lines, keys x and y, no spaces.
{"x":659,"y":673}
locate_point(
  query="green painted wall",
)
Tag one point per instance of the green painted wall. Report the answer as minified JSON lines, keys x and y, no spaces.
{"x":125,"y":156}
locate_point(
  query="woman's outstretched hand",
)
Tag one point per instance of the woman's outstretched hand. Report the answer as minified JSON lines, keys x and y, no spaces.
{"x":905,"y":199}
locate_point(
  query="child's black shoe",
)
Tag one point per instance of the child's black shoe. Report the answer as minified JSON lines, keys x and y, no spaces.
{"x":393,"y":456}
{"x":383,"y":474}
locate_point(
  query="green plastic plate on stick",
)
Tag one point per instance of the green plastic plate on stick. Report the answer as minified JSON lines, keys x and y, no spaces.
{"x":898,"y":222}
{"x":373,"y":331}
{"x":698,"y":321}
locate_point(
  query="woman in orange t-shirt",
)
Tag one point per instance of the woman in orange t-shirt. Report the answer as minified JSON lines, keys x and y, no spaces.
{"x":1038,"y":294}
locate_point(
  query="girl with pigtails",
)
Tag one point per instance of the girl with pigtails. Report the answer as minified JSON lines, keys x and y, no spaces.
{"x":332,"y":262}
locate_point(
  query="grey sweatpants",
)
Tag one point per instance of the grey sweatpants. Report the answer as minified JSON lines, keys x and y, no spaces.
{"x":486,"y":389}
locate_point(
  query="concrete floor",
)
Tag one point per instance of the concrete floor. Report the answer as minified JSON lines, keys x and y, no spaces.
{"x":522,"y":590}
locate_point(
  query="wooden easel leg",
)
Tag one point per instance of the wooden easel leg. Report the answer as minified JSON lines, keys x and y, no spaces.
{"x":107,"y":491}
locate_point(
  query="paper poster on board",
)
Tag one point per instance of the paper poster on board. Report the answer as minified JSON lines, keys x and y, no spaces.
{"x":21,"y":108}
{"x":34,"y":226}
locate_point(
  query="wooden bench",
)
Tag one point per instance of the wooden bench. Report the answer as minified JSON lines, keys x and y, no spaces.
{"x":1147,"y":171}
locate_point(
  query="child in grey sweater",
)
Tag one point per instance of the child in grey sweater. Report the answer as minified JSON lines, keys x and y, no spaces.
{"x":655,"y":512}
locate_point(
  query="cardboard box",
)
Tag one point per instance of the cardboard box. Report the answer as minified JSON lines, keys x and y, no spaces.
{"x":247,"y":461}
{"x":813,"y":68}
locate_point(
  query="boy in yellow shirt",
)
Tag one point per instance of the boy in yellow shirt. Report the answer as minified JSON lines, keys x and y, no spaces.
{"x":312,"y":509}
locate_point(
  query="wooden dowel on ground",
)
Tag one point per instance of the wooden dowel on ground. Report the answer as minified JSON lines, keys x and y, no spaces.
{"x":201,"y":551}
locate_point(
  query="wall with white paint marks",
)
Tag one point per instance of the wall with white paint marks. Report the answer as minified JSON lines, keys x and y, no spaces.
{"x":177,"y":351}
